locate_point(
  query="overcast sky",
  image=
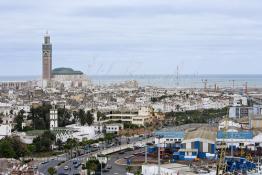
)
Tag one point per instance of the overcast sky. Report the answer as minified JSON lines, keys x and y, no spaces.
{"x":133,"y":36}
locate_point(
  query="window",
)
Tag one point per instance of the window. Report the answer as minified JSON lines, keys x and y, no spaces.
{"x":167,"y":139}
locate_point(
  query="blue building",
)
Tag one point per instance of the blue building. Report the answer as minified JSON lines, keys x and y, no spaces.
{"x":237,"y":139}
{"x":198,"y":144}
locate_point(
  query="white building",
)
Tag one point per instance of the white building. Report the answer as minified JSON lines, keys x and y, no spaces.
{"x":167,"y":169}
{"x":228,"y":124}
{"x":53,"y":118}
{"x":143,"y":117}
{"x":5,"y":130}
{"x":114,"y":127}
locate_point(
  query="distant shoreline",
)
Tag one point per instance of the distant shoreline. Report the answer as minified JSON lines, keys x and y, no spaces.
{"x":185,"y":81}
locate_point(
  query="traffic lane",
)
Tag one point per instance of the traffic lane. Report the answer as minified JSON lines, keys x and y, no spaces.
{"x":119,"y":169}
{"x":43,"y":168}
{"x":70,"y":167}
{"x":82,"y":158}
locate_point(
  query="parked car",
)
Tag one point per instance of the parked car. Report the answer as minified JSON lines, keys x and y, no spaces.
{"x":108,"y":166}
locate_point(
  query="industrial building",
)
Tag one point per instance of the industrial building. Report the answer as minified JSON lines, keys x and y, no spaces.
{"x":197,"y":144}
{"x":237,"y":139}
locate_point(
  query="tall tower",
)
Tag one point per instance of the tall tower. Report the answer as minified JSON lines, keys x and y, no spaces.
{"x":47,"y":58}
{"x":53,"y":118}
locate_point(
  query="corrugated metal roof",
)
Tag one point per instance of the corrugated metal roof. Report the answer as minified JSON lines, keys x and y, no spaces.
{"x":235,"y":135}
{"x":203,"y":133}
{"x":170,"y":134}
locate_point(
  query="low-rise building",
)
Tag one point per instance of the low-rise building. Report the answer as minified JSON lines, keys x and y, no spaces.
{"x":114,"y":127}
{"x":236,"y":139}
{"x":199,"y":143}
{"x":142,"y":118}
{"x":5,"y":130}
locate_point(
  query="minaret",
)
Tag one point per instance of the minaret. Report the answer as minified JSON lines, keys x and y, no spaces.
{"x":53,"y":118}
{"x":47,"y":58}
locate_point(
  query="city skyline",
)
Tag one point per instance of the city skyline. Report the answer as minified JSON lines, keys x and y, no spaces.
{"x":138,"y":37}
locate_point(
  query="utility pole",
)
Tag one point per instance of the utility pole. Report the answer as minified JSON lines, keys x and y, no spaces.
{"x":159,"y":137}
{"x":177,"y":76}
{"x":146,"y":154}
{"x":159,"y":156}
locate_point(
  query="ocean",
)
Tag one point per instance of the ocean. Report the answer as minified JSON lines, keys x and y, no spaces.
{"x":168,"y":81}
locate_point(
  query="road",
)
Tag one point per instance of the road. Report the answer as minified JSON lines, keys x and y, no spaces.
{"x":42,"y":168}
{"x":119,"y":169}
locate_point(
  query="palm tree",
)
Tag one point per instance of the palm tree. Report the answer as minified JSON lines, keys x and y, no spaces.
{"x":70,"y":145}
{"x":92,"y":165}
{"x":138,"y":172}
{"x":59,"y":144}
{"x":51,"y":170}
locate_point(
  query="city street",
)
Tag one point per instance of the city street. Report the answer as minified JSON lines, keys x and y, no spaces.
{"x":42,"y":168}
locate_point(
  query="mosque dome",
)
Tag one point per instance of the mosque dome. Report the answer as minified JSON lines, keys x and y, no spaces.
{"x":66,"y":71}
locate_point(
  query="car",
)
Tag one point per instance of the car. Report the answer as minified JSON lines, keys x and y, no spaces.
{"x":121,"y":152}
{"x":108,"y":166}
{"x":74,"y":162}
{"x":66,"y":168}
{"x":77,"y":165}
{"x":35,"y":167}
{"x":105,"y":170}
{"x":45,"y":162}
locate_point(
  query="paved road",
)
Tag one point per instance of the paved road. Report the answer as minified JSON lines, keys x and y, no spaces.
{"x":104,"y":152}
{"x":119,"y":169}
{"x":42,"y":168}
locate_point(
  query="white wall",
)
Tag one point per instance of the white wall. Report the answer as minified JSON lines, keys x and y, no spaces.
{"x":5,"y":130}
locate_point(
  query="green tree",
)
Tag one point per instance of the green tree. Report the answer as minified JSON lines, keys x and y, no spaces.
{"x":128,"y":169}
{"x":51,"y":170}
{"x":12,"y":147}
{"x":40,"y":116}
{"x":6,"y":149}
{"x":59,"y":144}
{"x":109,"y":137}
{"x":20,"y":148}
{"x":64,"y":116}
{"x":19,"y":119}
{"x":89,"y":118}
{"x":138,"y":172}
{"x":82,"y":117}
{"x":71,"y":144}
{"x":43,"y":143}
{"x":92,"y":165}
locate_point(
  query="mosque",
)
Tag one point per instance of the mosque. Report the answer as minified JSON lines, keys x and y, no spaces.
{"x":67,"y":77}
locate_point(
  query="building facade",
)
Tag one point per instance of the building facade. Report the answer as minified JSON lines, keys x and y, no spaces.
{"x":47,"y":58}
{"x":53,"y":118}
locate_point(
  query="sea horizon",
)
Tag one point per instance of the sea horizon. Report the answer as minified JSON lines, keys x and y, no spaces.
{"x":166,"y":80}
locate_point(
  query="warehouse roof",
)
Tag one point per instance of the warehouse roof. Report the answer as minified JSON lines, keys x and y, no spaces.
{"x":170,"y":134}
{"x":203,"y":133}
{"x":235,"y":135}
